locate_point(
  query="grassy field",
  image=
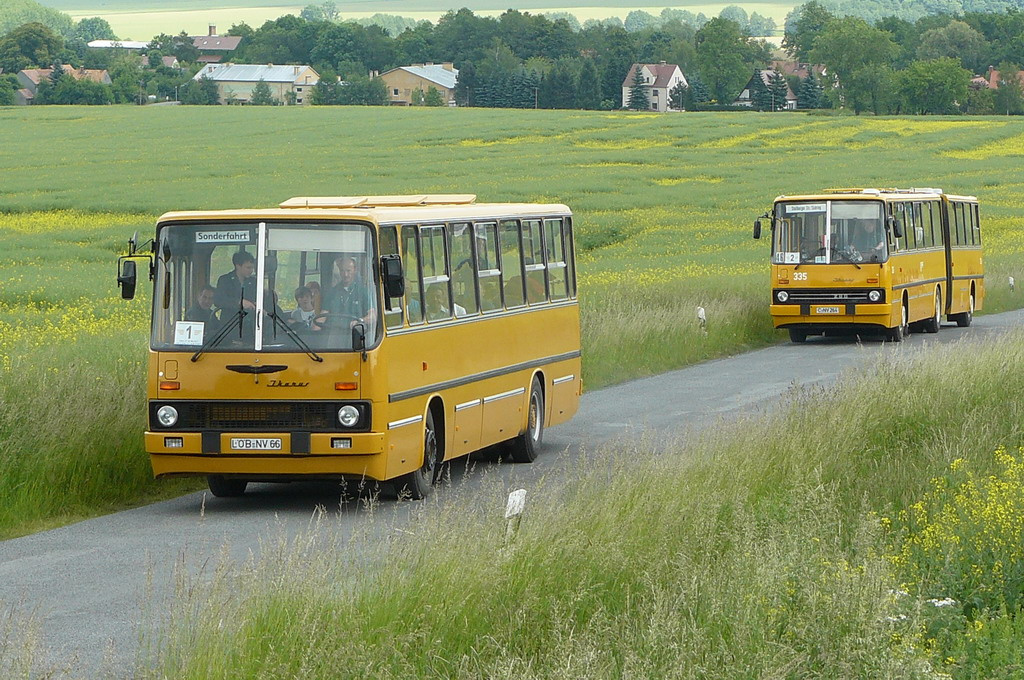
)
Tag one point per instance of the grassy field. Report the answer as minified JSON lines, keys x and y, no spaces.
{"x":664,"y":206}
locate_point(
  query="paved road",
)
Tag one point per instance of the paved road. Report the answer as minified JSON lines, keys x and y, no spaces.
{"x":88,"y":583}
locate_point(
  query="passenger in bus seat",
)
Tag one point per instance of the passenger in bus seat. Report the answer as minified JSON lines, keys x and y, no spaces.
{"x":437,"y":303}
{"x":202,"y":310}
{"x":304,"y":316}
{"x":236,"y":285}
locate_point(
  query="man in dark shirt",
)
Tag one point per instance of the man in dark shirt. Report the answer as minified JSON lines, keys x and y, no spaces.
{"x":350,"y":299}
{"x":236,"y":285}
{"x":202,"y":310}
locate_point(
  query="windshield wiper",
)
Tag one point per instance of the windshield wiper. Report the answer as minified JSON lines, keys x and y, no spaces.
{"x":295,"y":336}
{"x":216,"y":339}
{"x":846,"y":257}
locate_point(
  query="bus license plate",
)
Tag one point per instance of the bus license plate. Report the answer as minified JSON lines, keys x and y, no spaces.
{"x":827,"y":310}
{"x":255,"y":444}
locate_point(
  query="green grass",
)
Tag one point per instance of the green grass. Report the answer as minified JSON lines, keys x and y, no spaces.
{"x":720,"y":559}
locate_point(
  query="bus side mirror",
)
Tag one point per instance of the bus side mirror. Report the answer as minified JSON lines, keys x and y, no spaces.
{"x":126,"y":279}
{"x":358,"y":337}
{"x":394,"y":280}
{"x":897,"y":228}
{"x":757,"y":229}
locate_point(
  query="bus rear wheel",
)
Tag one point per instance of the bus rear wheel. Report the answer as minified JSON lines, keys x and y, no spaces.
{"x":418,"y":484}
{"x":526,"y":446}
{"x":932,"y":325}
{"x":225,"y":487}
{"x":964,"y":319}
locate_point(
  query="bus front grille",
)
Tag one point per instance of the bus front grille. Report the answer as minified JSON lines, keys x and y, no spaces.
{"x":255,"y":416}
{"x":825,"y":296}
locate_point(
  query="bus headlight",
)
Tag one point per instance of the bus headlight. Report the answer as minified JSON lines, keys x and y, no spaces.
{"x":781,"y":296}
{"x":874,"y":295}
{"x":348,"y":415}
{"x":167,"y":416}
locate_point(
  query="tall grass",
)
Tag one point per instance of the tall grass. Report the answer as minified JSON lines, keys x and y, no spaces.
{"x":757,"y":551}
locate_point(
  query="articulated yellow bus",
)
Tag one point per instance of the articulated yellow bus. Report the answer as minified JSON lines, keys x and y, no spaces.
{"x":888,"y":260}
{"x":357,"y":337}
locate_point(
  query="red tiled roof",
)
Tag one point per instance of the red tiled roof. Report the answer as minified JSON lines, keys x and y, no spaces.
{"x":662,"y":74}
{"x":95,"y":75}
{"x":220,"y":43}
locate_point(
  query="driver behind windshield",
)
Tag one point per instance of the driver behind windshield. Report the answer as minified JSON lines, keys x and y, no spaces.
{"x":348,"y":301}
{"x":869,"y":240}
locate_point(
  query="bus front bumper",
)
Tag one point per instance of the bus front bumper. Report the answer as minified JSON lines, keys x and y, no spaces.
{"x":323,"y":455}
{"x":883,"y":315}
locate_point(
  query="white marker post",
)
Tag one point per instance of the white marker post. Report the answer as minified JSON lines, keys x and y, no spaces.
{"x":514,"y":514}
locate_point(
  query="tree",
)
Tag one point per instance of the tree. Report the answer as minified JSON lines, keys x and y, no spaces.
{"x":1009,"y":95}
{"x":8,"y":86}
{"x":726,"y":58}
{"x":698,"y":93}
{"x":465,"y":83}
{"x":777,"y":88}
{"x":677,"y":96}
{"x":201,"y":92}
{"x":957,"y":40}
{"x":588,"y":86}
{"x":638,"y":99}
{"x":760,"y":96}
{"x":261,"y":95}
{"x":29,"y":46}
{"x":433,"y":97}
{"x":808,"y":21}
{"x":935,"y":86}
{"x":809,"y":95}
{"x":94,"y":28}
{"x":328,"y":11}
{"x":855,"y":54}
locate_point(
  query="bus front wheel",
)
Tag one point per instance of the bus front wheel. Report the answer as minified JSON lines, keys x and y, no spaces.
{"x":797,"y":335}
{"x":897,"y":334}
{"x":418,"y":484}
{"x":526,"y":446}
{"x":224,"y":487}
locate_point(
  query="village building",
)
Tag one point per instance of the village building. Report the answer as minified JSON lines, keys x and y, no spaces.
{"x":30,"y":78}
{"x":404,"y":81}
{"x":658,"y":80}
{"x":235,"y":82}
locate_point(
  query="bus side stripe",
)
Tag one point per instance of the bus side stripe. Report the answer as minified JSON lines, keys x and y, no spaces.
{"x":468,"y":404}
{"x":563,"y":379}
{"x":918,"y":283}
{"x":405,"y":421}
{"x":504,"y":395}
{"x":494,"y":373}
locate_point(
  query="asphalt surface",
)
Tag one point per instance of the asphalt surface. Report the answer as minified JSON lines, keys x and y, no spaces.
{"x":91,"y":585}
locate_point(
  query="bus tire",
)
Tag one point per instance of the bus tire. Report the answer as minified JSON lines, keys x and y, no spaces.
{"x":418,"y":484}
{"x":526,"y":446}
{"x":897,"y":334}
{"x":797,"y":335}
{"x":964,"y":319}
{"x":932,"y":324}
{"x":225,"y":487}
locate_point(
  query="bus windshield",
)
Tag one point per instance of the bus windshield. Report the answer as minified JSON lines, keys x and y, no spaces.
{"x":829,"y":232}
{"x":264,"y":287}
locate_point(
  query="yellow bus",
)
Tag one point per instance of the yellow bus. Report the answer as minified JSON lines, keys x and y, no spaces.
{"x":888,"y":260}
{"x":368,"y":337}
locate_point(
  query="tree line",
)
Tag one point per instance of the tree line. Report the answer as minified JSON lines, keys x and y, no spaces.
{"x":523,"y":60}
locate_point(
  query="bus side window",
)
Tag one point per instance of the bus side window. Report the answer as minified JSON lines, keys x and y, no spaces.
{"x":958,"y":222}
{"x":928,"y":218}
{"x":901,"y":218}
{"x":460,"y":235}
{"x":557,"y":279}
{"x":570,"y":255}
{"x":488,"y":267}
{"x":919,"y":235}
{"x":393,"y":316}
{"x":977,"y":225}
{"x":533,"y":259}
{"x":971,"y":224}
{"x":434,"y":262}
{"x":411,"y":265}
{"x":512,"y":264}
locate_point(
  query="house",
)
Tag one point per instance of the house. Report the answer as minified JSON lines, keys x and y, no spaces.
{"x":799,"y":69}
{"x":235,"y":82}
{"x":993,"y":78}
{"x":403,"y":81}
{"x":30,"y":78}
{"x":659,"y":80}
{"x":766,"y":75}
{"x":215,"y":48}
{"x":169,"y":61}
